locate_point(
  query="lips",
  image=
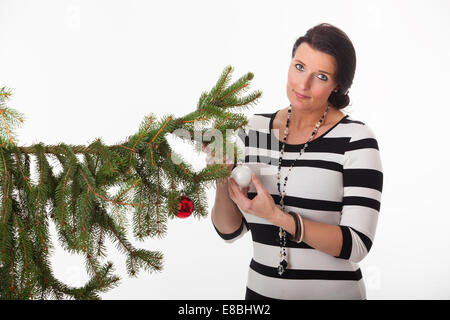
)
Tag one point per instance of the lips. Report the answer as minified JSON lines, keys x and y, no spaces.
{"x":300,"y":96}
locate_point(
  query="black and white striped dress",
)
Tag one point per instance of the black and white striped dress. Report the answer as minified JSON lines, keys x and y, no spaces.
{"x":338,"y":180}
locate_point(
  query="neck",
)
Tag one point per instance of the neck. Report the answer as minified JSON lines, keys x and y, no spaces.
{"x":301,"y":119}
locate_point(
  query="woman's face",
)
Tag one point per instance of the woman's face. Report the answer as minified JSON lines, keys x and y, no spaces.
{"x":311,"y":78}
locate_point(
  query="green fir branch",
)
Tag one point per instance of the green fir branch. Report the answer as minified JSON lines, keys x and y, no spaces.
{"x":149,"y":177}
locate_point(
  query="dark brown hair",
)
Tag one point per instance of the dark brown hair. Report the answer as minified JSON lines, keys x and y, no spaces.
{"x":333,"y":41}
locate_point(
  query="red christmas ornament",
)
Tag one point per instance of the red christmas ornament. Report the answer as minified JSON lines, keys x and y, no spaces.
{"x":185,"y":207}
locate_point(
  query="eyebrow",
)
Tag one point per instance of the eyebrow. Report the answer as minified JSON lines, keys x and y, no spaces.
{"x":319,"y":70}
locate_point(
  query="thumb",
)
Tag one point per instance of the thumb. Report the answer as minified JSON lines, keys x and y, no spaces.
{"x":257,"y":183}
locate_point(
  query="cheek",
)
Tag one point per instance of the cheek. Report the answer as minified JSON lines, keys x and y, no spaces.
{"x":291,"y":80}
{"x":320,"y":91}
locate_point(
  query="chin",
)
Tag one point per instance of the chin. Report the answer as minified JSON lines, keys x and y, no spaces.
{"x":301,"y":104}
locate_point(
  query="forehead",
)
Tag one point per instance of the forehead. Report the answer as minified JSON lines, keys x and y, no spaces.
{"x":314,"y":59}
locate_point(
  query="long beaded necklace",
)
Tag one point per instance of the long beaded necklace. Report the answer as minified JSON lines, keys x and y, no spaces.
{"x":282,"y":233}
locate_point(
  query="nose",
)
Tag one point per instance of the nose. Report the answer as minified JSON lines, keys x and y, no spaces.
{"x":303,"y":81}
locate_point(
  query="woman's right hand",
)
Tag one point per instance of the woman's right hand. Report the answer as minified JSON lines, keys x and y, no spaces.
{"x":211,"y":159}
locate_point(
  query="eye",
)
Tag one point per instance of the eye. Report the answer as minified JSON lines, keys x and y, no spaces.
{"x":299,"y":66}
{"x":322,"y":77}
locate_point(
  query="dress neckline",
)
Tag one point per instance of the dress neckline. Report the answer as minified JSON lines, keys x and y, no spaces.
{"x":301,"y":144}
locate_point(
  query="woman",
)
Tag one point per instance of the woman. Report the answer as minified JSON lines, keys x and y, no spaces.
{"x":313,"y":204}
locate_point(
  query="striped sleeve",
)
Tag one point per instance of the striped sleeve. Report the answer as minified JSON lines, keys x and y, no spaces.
{"x":363,"y":183}
{"x":239,"y":233}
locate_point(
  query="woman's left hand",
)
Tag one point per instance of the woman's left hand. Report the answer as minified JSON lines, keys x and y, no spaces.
{"x":261,"y":206}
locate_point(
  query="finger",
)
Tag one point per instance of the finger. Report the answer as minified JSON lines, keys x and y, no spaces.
{"x":206,"y":148}
{"x":238,"y":189}
{"x":233,"y":189}
{"x":257,"y":183}
{"x":240,"y":199}
{"x":229,"y":159}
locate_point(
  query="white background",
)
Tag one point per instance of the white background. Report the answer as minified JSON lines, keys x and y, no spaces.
{"x":87,"y":69}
